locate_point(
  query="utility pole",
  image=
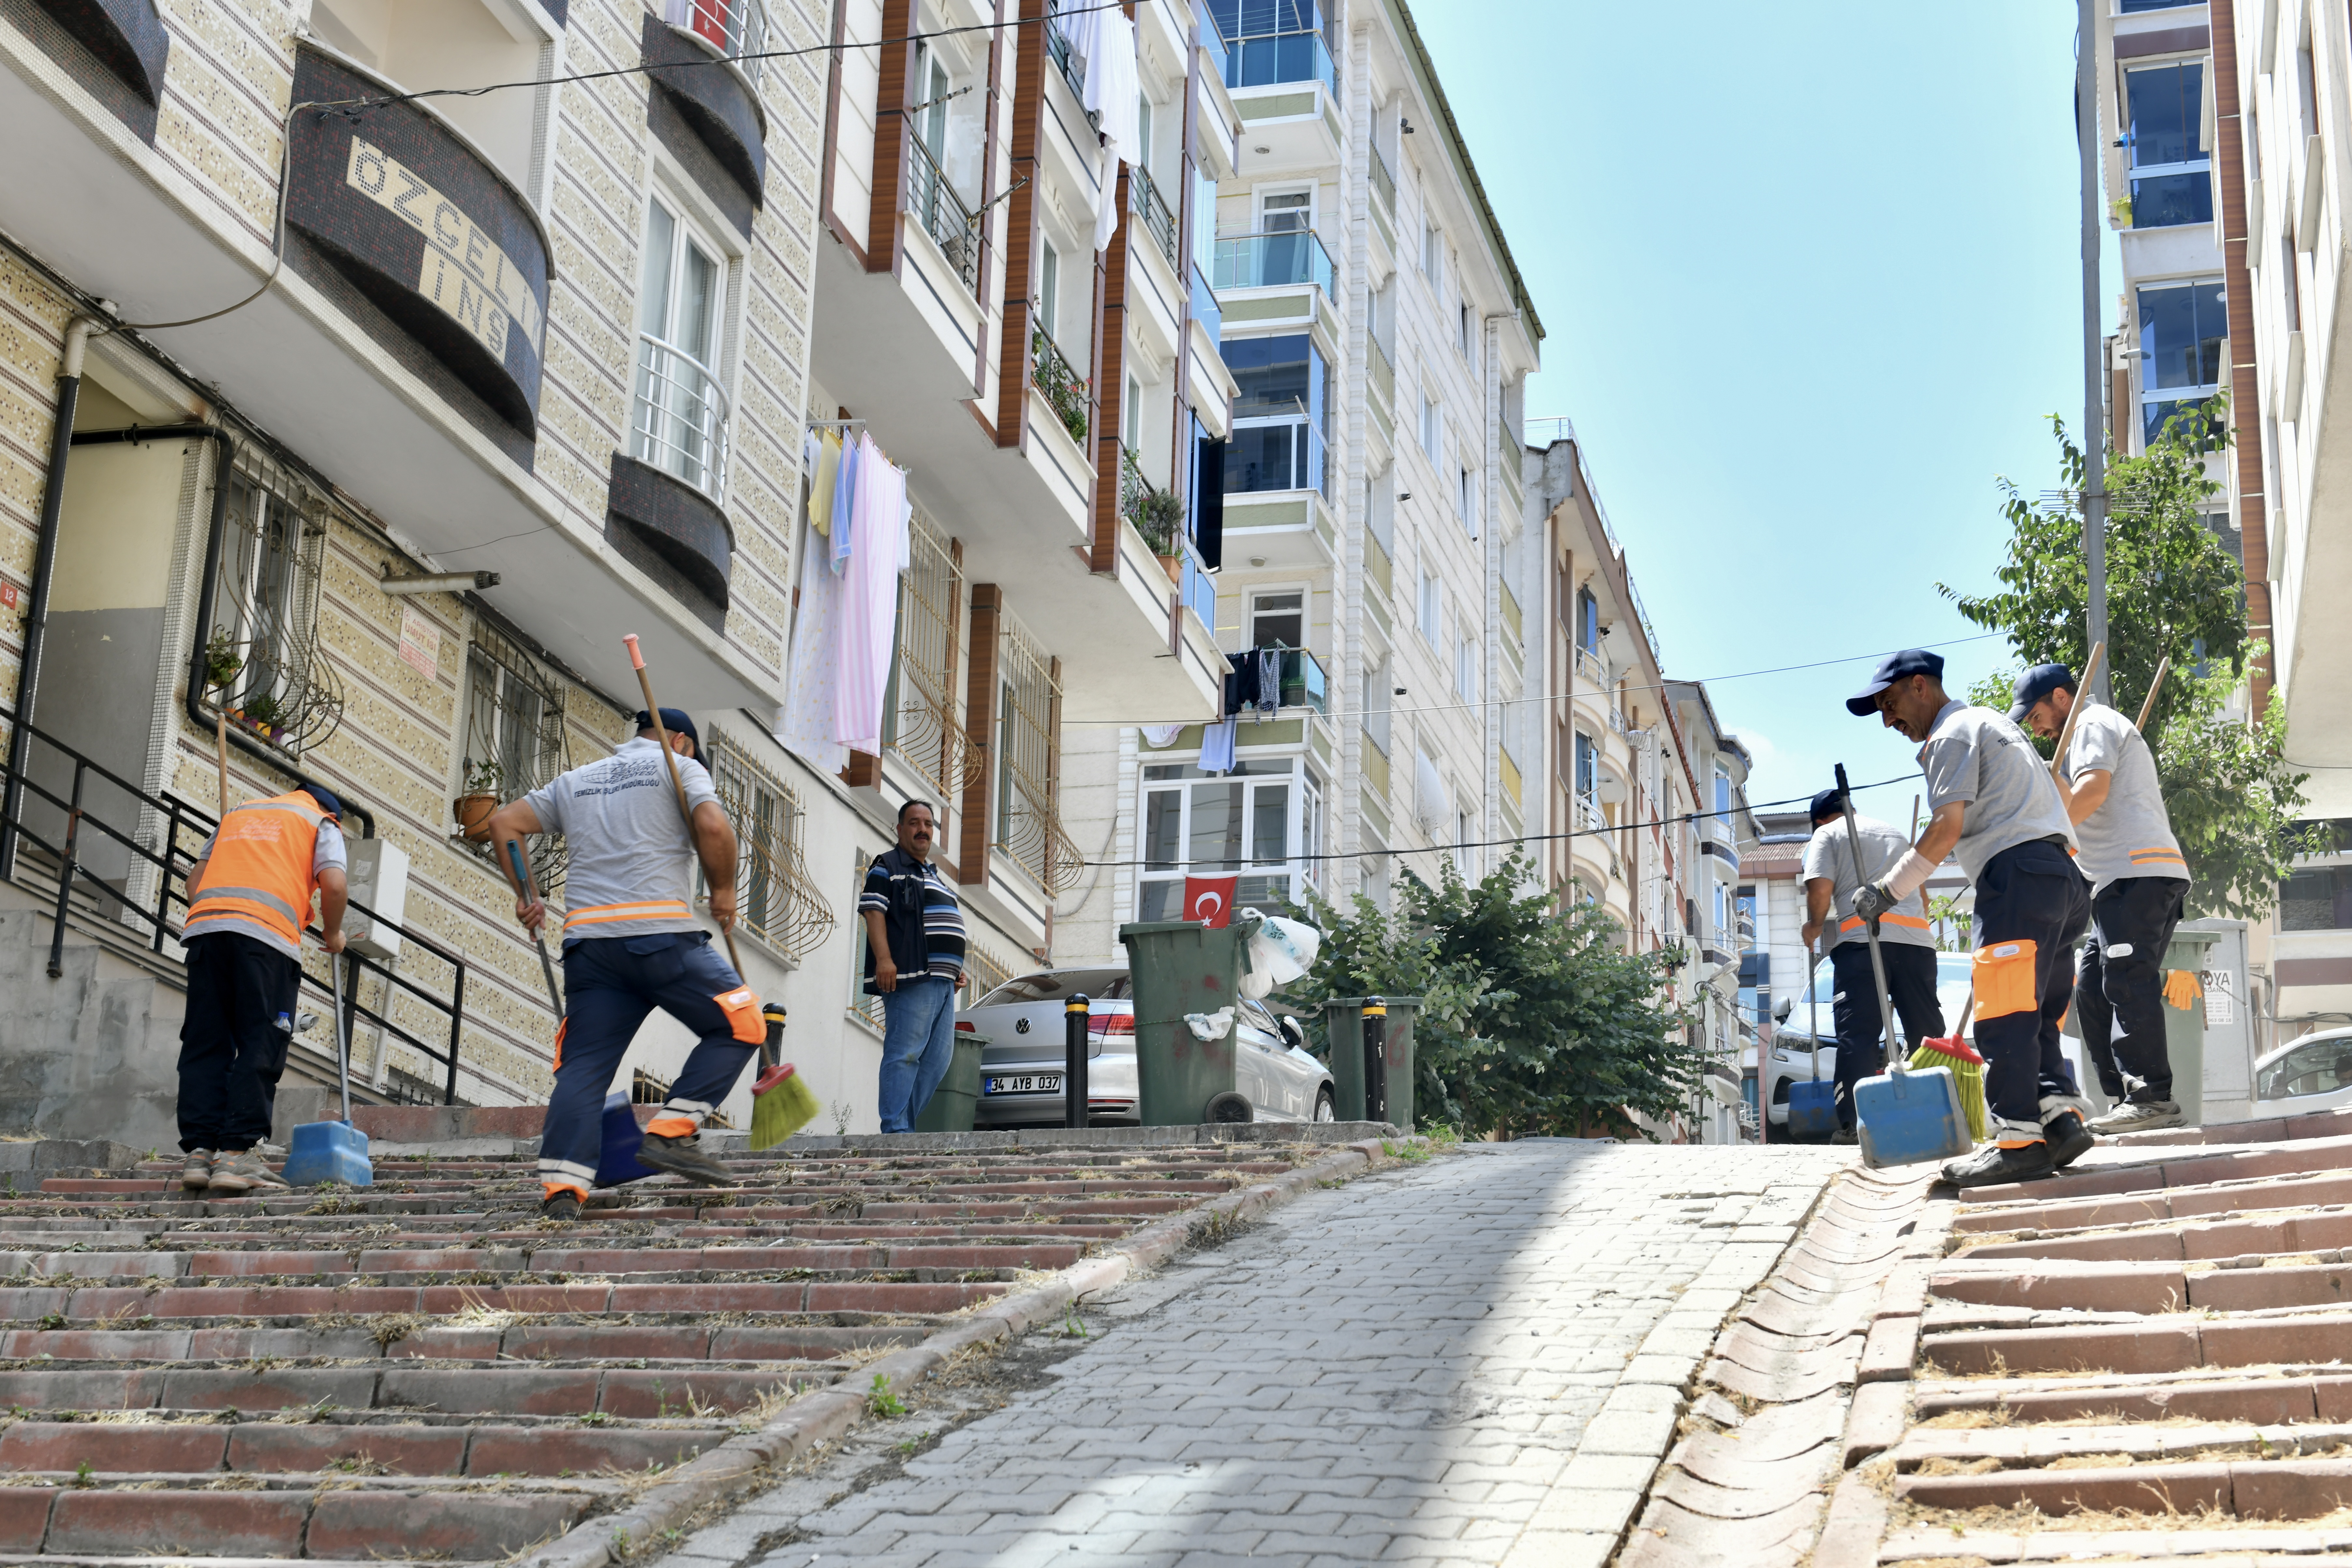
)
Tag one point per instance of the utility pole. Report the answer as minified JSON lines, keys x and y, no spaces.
{"x":2095,"y":370}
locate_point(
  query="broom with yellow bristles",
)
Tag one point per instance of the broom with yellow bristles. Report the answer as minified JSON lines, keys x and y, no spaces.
{"x":1954,"y":1051}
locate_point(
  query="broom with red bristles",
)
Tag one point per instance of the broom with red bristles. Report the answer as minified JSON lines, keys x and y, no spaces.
{"x":1954,"y":1051}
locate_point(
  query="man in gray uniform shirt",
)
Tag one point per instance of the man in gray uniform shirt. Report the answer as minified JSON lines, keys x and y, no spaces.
{"x":2139,"y":882}
{"x":1997,"y":807}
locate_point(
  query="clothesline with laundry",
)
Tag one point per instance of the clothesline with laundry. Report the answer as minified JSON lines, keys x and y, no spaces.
{"x":859,"y":530}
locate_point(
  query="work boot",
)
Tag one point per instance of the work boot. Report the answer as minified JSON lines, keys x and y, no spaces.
{"x":197,"y":1173}
{"x":1845,"y":1135}
{"x":2130,"y":1117}
{"x":684,"y":1156}
{"x":1993,"y":1164}
{"x":245,"y":1173}
{"x":2068,"y":1141}
{"x":561,"y":1202}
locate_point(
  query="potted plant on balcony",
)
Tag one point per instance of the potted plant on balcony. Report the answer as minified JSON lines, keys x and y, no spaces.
{"x":483,"y":781}
{"x":1160,"y":517}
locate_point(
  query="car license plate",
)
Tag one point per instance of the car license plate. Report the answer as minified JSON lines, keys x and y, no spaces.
{"x":1028,"y":1083}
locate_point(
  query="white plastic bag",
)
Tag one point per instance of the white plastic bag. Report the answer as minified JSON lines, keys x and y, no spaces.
{"x":1213,"y":1026}
{"x":1279,"y":953}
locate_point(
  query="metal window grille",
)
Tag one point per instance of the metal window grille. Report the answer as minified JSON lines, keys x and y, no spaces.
{"x":1028,"y":827}
{"x":985,"y":970}
{"x":644,"y":1088}
{"x":864,"y":1007}
{"x":266,"y":665}
{"x":514,"y":737}
{"x":919,"y":719}
{"x":773,"y":895}
{"x":402,"y":1087}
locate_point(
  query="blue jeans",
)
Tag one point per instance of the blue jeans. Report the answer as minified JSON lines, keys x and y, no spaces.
{"x":917,"y":1046}
{"x":610,"y":985}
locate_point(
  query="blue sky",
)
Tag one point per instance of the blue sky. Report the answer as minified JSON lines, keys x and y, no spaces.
{"x":1809,"y":275}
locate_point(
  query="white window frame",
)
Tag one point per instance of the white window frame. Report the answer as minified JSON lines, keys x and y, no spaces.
{"x":699,"y":221}
{"x":1259,"y":194}
{"x":1431,"y":614}
{"x":2203,"y":166}
{"x":1305,"y":592}
{"x":2187,"y":396}
{"x":1433,"y":431}
{"x":1303,"y":827}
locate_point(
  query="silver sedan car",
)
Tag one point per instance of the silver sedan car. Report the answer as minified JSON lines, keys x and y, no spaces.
{"x":1024,"y":1063}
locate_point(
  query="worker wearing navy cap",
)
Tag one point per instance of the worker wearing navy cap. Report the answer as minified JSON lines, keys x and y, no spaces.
{"x":1996,"y":808}
{"x":1909,"y":949}
{"x":2139,"y":882}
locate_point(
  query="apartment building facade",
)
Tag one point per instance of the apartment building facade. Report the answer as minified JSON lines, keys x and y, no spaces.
{"x":448,"y":393}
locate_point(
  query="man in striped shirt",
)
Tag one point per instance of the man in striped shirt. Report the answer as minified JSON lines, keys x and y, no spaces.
{"x":631,"y":943}
{"x":2140,"y":882}
{"x":914,"y":961}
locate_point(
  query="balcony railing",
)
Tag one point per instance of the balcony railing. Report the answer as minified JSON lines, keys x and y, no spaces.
{"x":1057,"y":45}
{"x":735,"y":27}
{"x":942,"y":211}
{"x":1589,"y":667}
{"x":1205,"y":309}
{"x":1383,"y":182}
{"x":1272,"y":261}
{"x":1063,"y":386}
{"x":1199,"y":588}
{"x":1269,"y":58}
{"x":680,"y":421}
{"x":1212,"y":39}
{"x":1300,"y":676}
{"x":1275,"y":455}
{"x":1143,"y":193}
{"x":1380,"y":373}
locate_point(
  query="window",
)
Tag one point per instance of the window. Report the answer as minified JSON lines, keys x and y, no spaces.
{"x":1465,"y":665}
{"x":1279,"y":412}
{"x":1432,"y":256}
{"x":1462,"y":503}
{"x":1260,"y":822}
{"x":1380,"y":681}
{"x":1432,"y":616}
{"x":2317,"y":898}
{"x":1584,"y":766}
{"x":1286,"y":211}
{"x":1466,"y":857}
{"x":931,"y":195}
{"x":1432,"y":428}
{"x":2323,"y":1066}
{"x":1049,"y":290}
{"x":266,"y":612}
{"x":2181,"y":330}
{"x":2171,"y":178}
{"x":1278,"y":620}
{"x":679,"y":424}
{"x":1588,"y":621}
{"x":1028,"y":825}
{"x":774,"y":898}
{"x":1134,"y":420}
{"x":918,"y":713}
{"x":1463,"y":320}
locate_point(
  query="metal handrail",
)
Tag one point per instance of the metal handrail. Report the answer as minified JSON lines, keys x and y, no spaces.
{"x":1144,"y":195}
{"x":1382,"y":373}
{"x":1057,"y":45}
{"x":739,"y":27}
{"x":681,"y":414}
{"x":1383,"y":182}
{"x":175,"y":863}
{"x":942,"y":211}
{"x":1062,"y":386}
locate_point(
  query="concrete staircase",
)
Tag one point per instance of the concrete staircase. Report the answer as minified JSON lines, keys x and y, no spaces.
{"x":424,"y":1368}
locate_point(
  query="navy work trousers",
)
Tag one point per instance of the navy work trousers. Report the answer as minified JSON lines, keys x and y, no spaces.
{"x":1911,"y":975}
{"x":232,"y":1042}
{"x":2119,"y":997}
{"x":2031,"y":908}
{"x":610,"y":984}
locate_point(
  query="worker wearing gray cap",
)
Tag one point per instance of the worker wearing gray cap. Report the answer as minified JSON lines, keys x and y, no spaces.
{"x":1996,"y":808}
{"x":2139,"y":882}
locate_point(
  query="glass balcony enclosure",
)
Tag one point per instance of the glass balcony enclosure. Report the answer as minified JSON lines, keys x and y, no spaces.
{"x":1273,"y":41}
{"x":1213,"y":38}
{"x":1272,"y":261}
{"x":2181,"y":330}
{"x":2171,"y":168}
{"x":1279,"y":414}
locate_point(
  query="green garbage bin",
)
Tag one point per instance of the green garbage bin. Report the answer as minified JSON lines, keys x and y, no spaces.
{"x":952,"y":1102}
{"x":2184,"y":1027}
{"x":1178,"y":967}
{"x":1343,"y":1022}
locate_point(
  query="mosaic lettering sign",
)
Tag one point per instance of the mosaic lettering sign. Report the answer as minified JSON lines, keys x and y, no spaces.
{"x":465,"y":271}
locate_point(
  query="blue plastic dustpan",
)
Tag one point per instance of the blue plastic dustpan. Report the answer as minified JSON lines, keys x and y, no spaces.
{"x":623,"y":1137}
{"x":327,"y":1151}
{"x":332,"y":1151}
{"x":1908,"y":1115}
{"x":1813,"y":1109}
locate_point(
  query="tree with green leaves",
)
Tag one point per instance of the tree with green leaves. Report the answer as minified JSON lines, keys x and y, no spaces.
{"x":2174,"y":590}
{"x":1535,"y":1021}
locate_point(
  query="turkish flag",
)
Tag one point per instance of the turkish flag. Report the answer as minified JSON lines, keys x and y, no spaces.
{"x":1210,"y":899}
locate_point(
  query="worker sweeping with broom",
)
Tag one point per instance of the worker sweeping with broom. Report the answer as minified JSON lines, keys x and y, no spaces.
{"x":631,"y":943}
{"x":1994,"y":805}
{"x":1905,"y":943}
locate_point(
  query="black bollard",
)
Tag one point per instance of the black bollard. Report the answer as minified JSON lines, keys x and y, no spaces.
{"x":1074,"y":1062}
{"x":1376,"y":1059}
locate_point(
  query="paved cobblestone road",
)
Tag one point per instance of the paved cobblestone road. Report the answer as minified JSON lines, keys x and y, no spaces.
{"x":1472,"y":1361}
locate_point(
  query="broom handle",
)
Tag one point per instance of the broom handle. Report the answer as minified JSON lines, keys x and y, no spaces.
{"x":677,"y":783}
{"x":1870,"y":928}
{"x":220,"y":749}
{"x":1812,"y":966}
{"x":2155,"y":686}
{"x":2058,"y":753}
{"x":530,"y":889}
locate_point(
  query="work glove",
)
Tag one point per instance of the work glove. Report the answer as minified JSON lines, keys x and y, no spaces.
{"x":1872,"y":900}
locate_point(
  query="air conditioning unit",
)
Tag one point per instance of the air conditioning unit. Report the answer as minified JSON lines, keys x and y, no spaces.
{"x":378,"y":871}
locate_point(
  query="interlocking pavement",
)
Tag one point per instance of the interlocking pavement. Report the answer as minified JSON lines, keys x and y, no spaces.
{"x":1478,"y":1359}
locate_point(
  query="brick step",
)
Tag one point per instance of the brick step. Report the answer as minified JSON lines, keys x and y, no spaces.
{"x":353,"y":1523}
{"x":33,"y":1305}
{"x":2151,"y":1288}
{"x":2133,"y":1208}
{"x":2254,"y":1488}
{"x":195,"y":1448}
{"x":2171,"y":1342}
{"x":2283,"y":1233}
{"x":2246,"y":1546}
{"x":652,"y":1259}
{"x":2014,"y":1448}
{"x":2300,"y":1394}
{"x":2267,"y":1161}
{"x":649,"y":1394}
{"x":532,"y":1342}
{"x":709,"y":1202}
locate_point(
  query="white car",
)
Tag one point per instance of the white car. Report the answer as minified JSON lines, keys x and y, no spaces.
{"x":2313,"y":1073}
{"x":1022,"y":1066}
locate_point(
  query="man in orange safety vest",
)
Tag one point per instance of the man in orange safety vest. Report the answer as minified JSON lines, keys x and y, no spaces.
{"x":249,"y":900}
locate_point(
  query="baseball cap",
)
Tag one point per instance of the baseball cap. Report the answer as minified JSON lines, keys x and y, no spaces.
{"x":2036,"y":684}
{"x":1910,"y":661}
{"x":326,"y":799}
{"x":1829,"y":802}
{"x":675,"y":720}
